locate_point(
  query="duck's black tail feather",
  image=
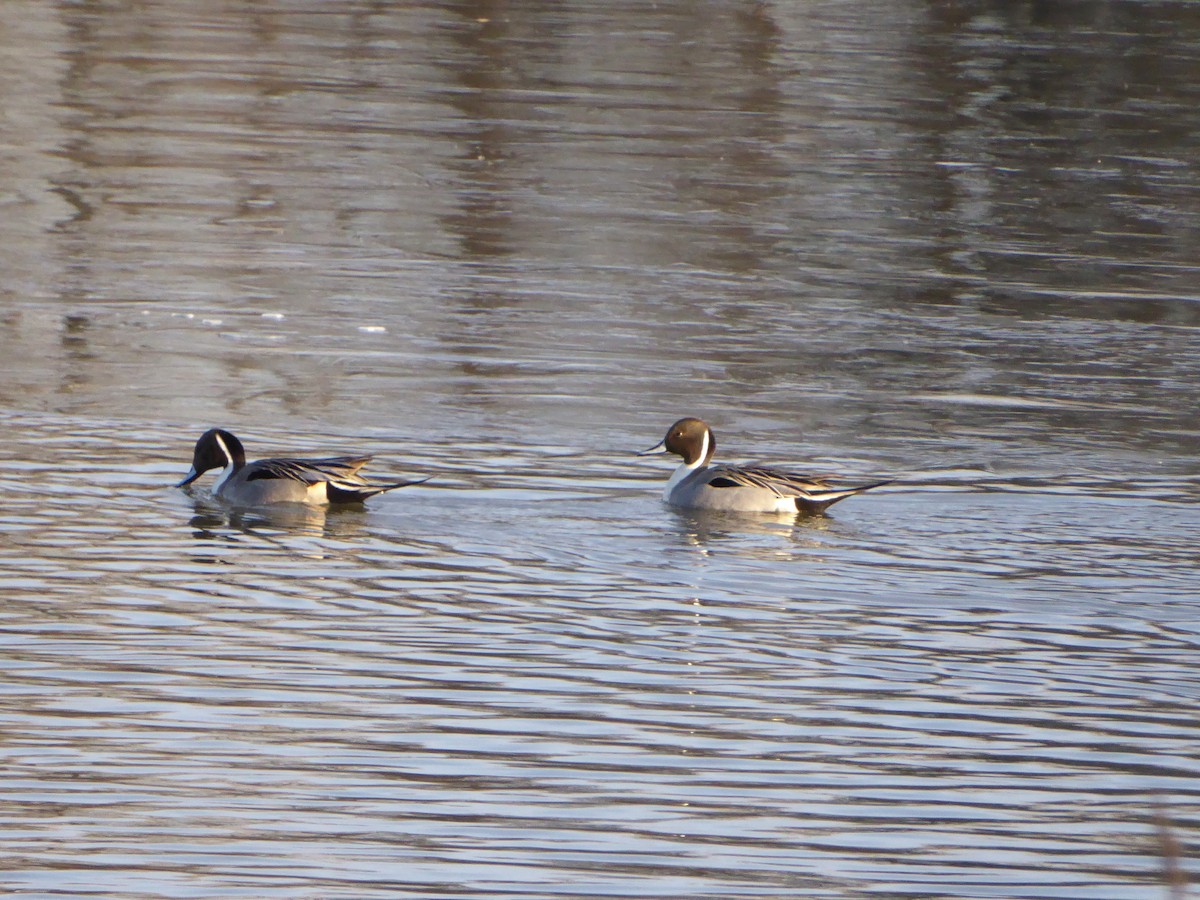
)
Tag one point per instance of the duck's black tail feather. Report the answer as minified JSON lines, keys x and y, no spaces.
{"x":344,"y":493}
{"x":818,"y":501}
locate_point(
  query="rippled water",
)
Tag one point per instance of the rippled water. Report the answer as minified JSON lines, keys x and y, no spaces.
{"x":506,"y":245}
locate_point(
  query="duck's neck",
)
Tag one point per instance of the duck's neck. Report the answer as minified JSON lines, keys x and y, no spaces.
{"x":223,"y":477}
{"x":681,"y":473}
{"x":235,"y":458}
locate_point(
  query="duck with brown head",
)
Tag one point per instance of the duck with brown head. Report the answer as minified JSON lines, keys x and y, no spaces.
{"x":698,"y":485}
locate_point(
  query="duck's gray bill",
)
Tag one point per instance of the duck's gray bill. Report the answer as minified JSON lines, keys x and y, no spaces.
{"x":660,"y":447}
{"x":191,"y":476}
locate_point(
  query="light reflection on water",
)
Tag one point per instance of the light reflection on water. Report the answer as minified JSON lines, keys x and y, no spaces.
{"x":507,"y":248}
{"x":580,"y":695}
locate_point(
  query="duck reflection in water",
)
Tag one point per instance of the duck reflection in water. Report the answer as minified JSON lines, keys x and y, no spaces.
{"x":216,"y":521}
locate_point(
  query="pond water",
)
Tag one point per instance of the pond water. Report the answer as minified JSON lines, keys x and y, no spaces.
{"x":506,"y":245}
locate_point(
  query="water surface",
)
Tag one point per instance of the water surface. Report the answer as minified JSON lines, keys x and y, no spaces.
{"x":507,"y":245}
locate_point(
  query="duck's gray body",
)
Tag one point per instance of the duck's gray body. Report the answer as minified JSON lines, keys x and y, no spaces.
{"x":697,"y":485}
{"x":311,"y":481}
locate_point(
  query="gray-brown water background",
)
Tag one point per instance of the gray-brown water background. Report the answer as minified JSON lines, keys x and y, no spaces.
{"x":507,"y":244}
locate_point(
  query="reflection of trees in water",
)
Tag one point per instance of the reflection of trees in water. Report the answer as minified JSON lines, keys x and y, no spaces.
{"x":1065,"y":157}
{"x":654,"y":130}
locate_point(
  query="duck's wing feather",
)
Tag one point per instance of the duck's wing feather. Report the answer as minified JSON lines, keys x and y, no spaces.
{"x":780,"y":483}
{"x":337,"y":470}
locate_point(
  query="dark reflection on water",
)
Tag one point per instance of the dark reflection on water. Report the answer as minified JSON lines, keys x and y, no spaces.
{"x":213,"y":520}
{"x":508,"y":244}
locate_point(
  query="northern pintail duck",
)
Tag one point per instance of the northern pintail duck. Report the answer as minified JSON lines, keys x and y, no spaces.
{"x":697,"y":485}
{"x":311,"y":481}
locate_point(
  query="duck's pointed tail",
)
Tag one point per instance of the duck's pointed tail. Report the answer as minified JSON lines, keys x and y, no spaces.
{"x":816,"y":502}
{"x":348,"y":493}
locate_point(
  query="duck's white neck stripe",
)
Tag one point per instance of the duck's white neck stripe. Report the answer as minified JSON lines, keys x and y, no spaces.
{"x":228,"y":470}
{"x":703,"y":452}
{"x":224,"y":449}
